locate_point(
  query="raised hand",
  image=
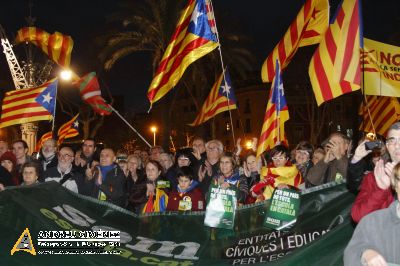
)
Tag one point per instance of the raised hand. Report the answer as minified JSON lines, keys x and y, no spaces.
{"x":382,"y":174}
{"x":371,"y":257}
{"x":360,"y":152}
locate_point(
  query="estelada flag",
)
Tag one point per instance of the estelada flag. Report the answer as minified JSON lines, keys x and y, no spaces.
{"x":308,"y":27}
{"x":276,"y":114}
{"x":380,"y":64}
{"x":68,"y":130}
{"x":192,"y":39}
{"x":221,"y":98}
{"x":28,"y":105}
{"x":335,"y":66}
{"x":57,"y":45}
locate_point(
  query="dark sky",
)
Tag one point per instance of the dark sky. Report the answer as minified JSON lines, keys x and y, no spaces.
{"x":265,"y":21}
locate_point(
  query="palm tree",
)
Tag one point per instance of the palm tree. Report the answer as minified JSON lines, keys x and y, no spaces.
{"x":147,"y":27}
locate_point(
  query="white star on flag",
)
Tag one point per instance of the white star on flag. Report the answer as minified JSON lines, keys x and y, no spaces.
{"x":47,"y":98}
{"x":226,"y":89}
{"x":196,"y":14}
{"x":76,"y":124}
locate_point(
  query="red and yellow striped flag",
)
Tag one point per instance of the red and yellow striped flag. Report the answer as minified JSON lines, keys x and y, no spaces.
{"x":385,"y":111}
{"x":28,"y":105}
{"x":276,"y":114}
{"x":335,"y":66}
{"x":221,"y":98}
{"x":57,"y":46}
{"x":307,"y":29}
{"x":68,"y":130}
{"x":45,"y":136}
{"x":193,"y":38}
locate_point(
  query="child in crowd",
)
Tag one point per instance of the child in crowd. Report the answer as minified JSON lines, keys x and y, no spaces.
{"x":187,"y":196}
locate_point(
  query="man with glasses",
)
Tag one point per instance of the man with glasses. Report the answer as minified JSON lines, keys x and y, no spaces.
{"x":63,"y":172}
{"x":375,"y":192}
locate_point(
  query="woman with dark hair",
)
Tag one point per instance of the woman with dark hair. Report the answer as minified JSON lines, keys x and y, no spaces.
{"x":229,"y":177}
{"x":303,"y":155}
{"x":157,"y":188}
{"x":8,"y":162}
{"x":30,"y":173}
{"x":187,"y":196}
{"x":279,"y":173}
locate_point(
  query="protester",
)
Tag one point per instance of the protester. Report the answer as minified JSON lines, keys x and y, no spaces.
{"x":3,"y":147}
{"x":229,"y":177}
{"x":88,"y":155}
{"x":334,"y":165}
{"x":252,"y":170}
{"x":48,"y":157}
{"x":121,"y":160}
{"x":155,"y":152}
{"x":210,"y":168}
{"x":109,"y":179}
{"x":186,"y":196}
{"x":362,"y":162}
{"x":63,"y":173}
{"x":20,"y":149}
{"x":279,"y":173}
{"x":6,"y":169}
{"x":303,"y":154}
{"x":156,"y":192}
{"x":376,"y":239}
{"x":375,"y":192}
{"x":135,"y":185}
{"x":144,"y":155}
{"x":318,"y":155}
{"x":30,"y":173}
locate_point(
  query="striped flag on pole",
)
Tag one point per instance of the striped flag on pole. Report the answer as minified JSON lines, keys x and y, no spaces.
{"x":28,"y":105}
{"x":57,"y":46}
{"x":335,"y":66}
{"x":193,"y":38}
{"x":385,"y":111}
{"x":45,"y":136}
{"x":276,"y":114}
{"x":68,"y":130}
{"x":307,"y":29}
{"x":221,"y":98}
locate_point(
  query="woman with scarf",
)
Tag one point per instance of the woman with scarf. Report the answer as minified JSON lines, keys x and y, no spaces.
{"x":280,"y":173}
{"x":157,"y":188}
{"x":187,"y":196}
{"x":229,"y":177}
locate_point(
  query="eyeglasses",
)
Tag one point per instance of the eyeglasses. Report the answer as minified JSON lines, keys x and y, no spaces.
{"x":280,"y":158}
{"x":392,"y":141}
{"x":65,"y":155}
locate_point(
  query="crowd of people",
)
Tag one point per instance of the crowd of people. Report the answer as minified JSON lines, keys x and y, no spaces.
{"x":154,"y":180}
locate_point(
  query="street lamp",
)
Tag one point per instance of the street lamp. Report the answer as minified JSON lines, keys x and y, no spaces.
{"x":154,"y":130}
{"x":66,"y":74}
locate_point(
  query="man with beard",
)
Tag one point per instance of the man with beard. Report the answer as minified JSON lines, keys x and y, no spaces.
{"x":48,"y":156}
{"x":63,"y":172}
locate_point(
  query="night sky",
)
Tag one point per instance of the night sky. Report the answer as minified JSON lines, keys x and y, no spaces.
{"x":263,"y":20}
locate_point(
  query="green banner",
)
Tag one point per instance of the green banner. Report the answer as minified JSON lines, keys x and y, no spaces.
{"x":283,"y":210}
{"x":49,"y":211}
{"x":221,"y":208}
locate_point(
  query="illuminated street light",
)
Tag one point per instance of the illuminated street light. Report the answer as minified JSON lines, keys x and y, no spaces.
{"x":66,"y":75}
{"x":249,"y":144}
{"x":154,"y":130}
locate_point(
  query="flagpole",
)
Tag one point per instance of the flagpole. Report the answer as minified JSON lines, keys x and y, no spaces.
{"x":129,"y":125}
{"x":54,"y":115}
{"x":365,"y":97}
{"x":223,"y":72}
{"x":278,"y":76}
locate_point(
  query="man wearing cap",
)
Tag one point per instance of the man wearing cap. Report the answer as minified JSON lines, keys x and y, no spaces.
{"x":334,"y":165}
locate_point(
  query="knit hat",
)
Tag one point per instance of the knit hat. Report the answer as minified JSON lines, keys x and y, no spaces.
{"x":8,"y":155}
